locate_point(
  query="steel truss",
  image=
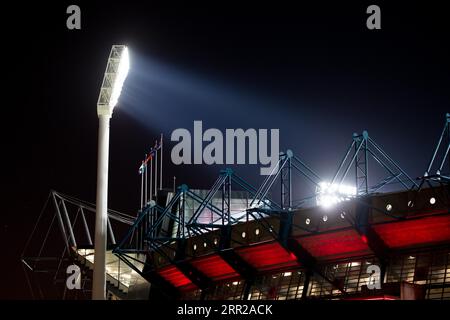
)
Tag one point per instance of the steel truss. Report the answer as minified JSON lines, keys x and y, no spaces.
{"x":163,"y":230}
{"x":72,"y":217}
{"x":361,"y":150}
{"x":437,"y":171}
{"x":172,"y":246}
{"x":261,"y":207}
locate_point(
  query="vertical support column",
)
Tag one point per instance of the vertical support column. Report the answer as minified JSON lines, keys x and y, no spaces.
{"x":283,"y":182}
{"x":247,"y":289}
{"x":226,"y":199}
{"x":146,"y":181}
{"x":225,"y":231}
{"x":285,"y":229}
{"x":361,"y":163}
{"x":373,"y":240}
{"x":151,"y":176}
{"x":286,"y":180}
{"x":181,"y":214}
{"x":366,"y":162}
{"x":307,"y":284}
{"x":99,"y":279}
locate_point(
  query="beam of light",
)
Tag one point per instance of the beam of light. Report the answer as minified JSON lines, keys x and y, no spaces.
{"x":165,"y":97}
{"x":329,"y":195}
{"x":161,"y":97}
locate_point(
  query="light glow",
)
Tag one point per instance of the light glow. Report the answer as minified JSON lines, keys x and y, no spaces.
{"x":122,"y":72}
{"x":328,"y":195}
{"x":116,"y":72}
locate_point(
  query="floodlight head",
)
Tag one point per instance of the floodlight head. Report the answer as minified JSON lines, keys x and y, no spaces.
{"x":115,"y":74}
{"x":329,"y":195}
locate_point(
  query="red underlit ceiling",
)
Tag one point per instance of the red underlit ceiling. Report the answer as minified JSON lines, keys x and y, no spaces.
{"x":414,"y":232}
{"x":343,"y":243}
{"x":338,"y":244}
{"x":267,"y":256}
{"x":173,"y":275}
{"x":214,"y":267}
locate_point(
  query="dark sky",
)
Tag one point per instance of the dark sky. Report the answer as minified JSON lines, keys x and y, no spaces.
{"x":313,"y":71}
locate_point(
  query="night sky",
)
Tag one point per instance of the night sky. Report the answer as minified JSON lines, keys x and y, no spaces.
{"x":313,"y":71}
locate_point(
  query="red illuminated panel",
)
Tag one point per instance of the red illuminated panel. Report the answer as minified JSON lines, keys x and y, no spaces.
{"x":339,"y":244}
{"x":214,"y":267}
{"x":267,"y":256}
{"x":414,"y":232}
{"x":175,"y":277}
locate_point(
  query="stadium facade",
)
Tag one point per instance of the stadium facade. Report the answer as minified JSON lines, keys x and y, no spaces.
{"x":389,"y":240}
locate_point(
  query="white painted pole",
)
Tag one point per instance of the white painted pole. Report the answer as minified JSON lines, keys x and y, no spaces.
{"x":99,"y":280}
{"x":142,"y":184}
{"x":151,"y":178}
{"x":146,"y":176}
{"x":115,"y":74}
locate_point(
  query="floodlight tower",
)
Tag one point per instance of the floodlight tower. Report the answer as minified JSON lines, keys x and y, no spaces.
{"x":115,"y":74}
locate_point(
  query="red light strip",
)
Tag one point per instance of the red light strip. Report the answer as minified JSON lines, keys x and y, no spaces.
{"x":214,"y":267}
{"x":173,"y":275}
{"x":267,"y":256}
{"x":336,"y":244}
{"x":431,"y":229}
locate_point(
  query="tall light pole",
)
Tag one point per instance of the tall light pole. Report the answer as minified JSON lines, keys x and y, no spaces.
{"x":115,"y":74}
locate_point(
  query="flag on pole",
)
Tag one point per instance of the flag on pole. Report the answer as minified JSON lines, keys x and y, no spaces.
{"x":150,"y":155}
{"x":142,"y":168}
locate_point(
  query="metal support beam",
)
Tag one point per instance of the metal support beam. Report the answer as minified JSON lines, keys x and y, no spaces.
{"x":369,"y":236}
{"x":60,"y":221}
{"x":364,"y":148}
{"x":306,"y":284}
{"x":69,"y":224}
{"x":225,"y":237}
{"x":286,"y":180}
{"x":111,"y":233}
{"x":310,"y":263}
{"x":285,"y":228}
{"x":86,"y":228}
{"x":197,"y":277}
{"x":247,"y":289}
{"x":246,"y":271}
{"x":226,"y":200}
{"x":445,"y":131}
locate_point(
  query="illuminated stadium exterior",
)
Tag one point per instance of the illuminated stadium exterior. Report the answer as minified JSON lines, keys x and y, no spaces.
{"x":322,"y":259}
{"x":236,"y":242}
